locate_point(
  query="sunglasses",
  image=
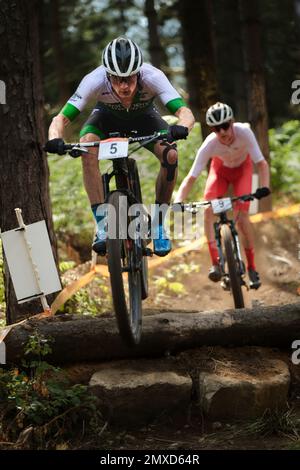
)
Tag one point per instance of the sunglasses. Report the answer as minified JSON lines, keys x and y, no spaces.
{"x":225,"y":126}
{"x":119,"y":80}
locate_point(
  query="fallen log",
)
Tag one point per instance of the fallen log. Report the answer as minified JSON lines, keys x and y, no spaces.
{"x":86,"y":338}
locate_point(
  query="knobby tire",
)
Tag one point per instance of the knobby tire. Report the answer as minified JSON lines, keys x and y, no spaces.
{"x":233,"y":269}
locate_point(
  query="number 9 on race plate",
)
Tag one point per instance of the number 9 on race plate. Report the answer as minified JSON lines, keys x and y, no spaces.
{"x":221,"y":205}
{"x":113,"y":148}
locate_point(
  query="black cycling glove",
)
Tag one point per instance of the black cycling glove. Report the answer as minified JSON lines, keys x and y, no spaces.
{"x":55,"y":146}
{"x":176,"y":132}
{"x":262,"y":192}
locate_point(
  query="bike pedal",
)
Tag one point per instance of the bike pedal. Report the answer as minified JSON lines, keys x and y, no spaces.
{"x":225,"y":284}
{"x":255,"y":286}
{"x":147,"y":252}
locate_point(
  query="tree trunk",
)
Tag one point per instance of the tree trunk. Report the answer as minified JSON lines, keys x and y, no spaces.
{"x":57,"y":41}
{"x":238,"y":77}
{"x":24,"y":171}
{"x":121,"y":6}
{"x":85,"y":338}
{"x":230,"y":67}
{"x":158,"y":56}
{"x":199,"y":55}
{"x":256,"y":90}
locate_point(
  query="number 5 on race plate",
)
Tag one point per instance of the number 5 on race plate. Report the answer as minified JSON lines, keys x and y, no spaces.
{"x":113,"y":148}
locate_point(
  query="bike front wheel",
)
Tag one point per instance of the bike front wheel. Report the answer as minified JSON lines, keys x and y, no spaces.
{"x":133,"y":171}
{"x":233,"y":266}
{"x":124,"y":264}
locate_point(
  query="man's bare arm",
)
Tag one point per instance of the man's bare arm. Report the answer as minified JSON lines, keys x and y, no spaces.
{"x":185,"y":188}
{"x":57,"y":126}
{"x":264,"y":173}
{"x":185,"y":117}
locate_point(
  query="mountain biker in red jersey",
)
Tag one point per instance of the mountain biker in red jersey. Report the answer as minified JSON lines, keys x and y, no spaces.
{"x":124,"y":89}
{"x":232,"y":149}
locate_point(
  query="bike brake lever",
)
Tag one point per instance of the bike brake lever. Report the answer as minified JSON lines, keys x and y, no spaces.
{"x":77,"y":152}
{"x":192,"y":210}
{"x":177,"y":207}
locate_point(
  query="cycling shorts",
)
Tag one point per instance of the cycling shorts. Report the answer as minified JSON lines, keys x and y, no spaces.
{"x":102,"y":122}
{"x":221,"y":176}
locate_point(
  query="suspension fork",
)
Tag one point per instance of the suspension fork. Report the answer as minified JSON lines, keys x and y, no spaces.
{"x":237,"y":246}
{"x":120,"y":172}
{"x":105,"y":181}
{"x":217,"y":229}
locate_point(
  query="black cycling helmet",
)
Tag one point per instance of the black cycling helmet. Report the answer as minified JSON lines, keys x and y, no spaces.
{"x":122,"y":57}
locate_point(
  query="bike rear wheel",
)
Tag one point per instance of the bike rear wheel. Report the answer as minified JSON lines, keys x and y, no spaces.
{"x":124,"y":264}
{"x":233,"y":267}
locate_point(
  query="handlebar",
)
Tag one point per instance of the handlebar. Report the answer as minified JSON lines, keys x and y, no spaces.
{"x":77,"y":149}
{"x":193,"y":206}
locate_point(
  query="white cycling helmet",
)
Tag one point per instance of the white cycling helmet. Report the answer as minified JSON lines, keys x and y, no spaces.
{"x":122,"y":57}
{"x":218,"y":114}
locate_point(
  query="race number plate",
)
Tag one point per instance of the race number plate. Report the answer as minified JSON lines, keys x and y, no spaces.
{"x":113,"y":148}
{"x":221,"y":205}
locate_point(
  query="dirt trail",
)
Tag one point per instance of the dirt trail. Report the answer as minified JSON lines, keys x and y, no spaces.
{"x":182,"y":284}
{"x":276,"y":259}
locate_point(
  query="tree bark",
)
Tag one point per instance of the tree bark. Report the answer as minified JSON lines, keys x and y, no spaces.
{"x":79,"y":339}
{"x":199,"y":55}
{"x":24,"y":173}
{"x":238,"y":70}
{"x":230,"y":66}
{"x":158,"y":56}
{"x":255,"y":78}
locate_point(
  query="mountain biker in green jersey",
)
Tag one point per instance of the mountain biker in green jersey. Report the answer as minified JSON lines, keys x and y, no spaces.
{"x":124,"y":89}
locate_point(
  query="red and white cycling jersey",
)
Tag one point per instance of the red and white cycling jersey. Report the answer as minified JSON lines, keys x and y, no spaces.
{"x":232,"y":155}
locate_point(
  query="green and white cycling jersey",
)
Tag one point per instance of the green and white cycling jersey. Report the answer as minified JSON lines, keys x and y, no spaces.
{"x":152,"y":84}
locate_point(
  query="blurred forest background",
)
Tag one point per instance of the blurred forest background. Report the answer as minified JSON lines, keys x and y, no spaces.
{"x":244,"y":53}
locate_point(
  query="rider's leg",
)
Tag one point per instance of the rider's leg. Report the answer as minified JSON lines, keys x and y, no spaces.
{"x":94,"y":188}
{"x":245,"y":230}
{"x":165,"y":183}
{"x":214,"y":273}
{"x":91,"y":171}
{"x":216,"y":186}
{"x":166,"y":179}
{"x":210,"y":234}
{"x":243,"y":185}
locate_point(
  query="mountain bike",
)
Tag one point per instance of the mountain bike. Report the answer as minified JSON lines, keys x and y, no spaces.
{"x":230,"y":260}
{"x":127,"y":250}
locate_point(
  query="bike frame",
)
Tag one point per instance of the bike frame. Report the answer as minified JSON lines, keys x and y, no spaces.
{"x":125,"y":254}
{"x":223,"y":219}
{"x":124,"y":183}
{"x":123,"y":178}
